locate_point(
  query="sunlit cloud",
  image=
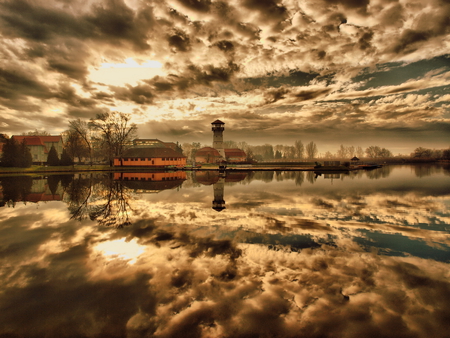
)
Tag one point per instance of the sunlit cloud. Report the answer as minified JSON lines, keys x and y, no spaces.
{"x":129,"y":72}
{"x":338,"y":70}
{"x":120,"y":249}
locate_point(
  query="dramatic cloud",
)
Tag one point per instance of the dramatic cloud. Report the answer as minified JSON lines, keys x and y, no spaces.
{"x":307,"y":65}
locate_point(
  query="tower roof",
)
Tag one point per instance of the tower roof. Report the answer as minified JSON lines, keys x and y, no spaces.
{"x":217,"y":122}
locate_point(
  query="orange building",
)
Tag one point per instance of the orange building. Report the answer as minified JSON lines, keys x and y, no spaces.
{"x":150,"y":157}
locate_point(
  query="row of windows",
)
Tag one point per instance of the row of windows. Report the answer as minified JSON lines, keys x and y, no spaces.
{"x":149,"y":159}
{"x":171,"y":178}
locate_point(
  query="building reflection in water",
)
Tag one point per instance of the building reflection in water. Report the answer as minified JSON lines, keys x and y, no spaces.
{"x":218,"y":179}
{"x":29,"y":189}
{"x":150,"y":182}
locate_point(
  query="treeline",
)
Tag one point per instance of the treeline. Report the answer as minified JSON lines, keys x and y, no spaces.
{"x":268,"y":152}
{"x":425,"y":153}
{"x":309,"y":151}
{"x":103,"y":137}
{"x":15,"y":154}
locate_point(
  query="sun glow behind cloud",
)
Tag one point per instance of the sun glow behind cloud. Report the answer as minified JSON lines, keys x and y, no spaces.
{"x":120,"y":249}
{"x":129,"y":72}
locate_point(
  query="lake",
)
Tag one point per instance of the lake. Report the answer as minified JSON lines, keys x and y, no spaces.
{"x":227,"y":254}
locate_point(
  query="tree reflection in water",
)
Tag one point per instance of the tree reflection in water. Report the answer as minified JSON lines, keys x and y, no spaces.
{"x":100,"y":198}
{"x":15,"y":189}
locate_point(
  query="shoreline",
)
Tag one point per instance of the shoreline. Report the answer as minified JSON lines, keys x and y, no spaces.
{"x":250,"y":167}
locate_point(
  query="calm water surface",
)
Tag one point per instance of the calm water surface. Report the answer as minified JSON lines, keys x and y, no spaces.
{"x":209,"y":254}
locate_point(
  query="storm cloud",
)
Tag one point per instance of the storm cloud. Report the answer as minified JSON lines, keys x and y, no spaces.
{"x":276,"y":58}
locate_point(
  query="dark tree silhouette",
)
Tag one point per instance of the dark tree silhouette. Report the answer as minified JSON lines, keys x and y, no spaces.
{"x":24,"y":159}
{"x":15,"y":189}
{"x":66,"y":159}
{"x":52,"y":158}
{"x":9,"y":156}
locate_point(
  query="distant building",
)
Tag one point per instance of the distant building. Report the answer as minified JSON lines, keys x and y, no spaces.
{"x":40,"y":146}
{"x":211,"y":155}
{"x":155,"y":143}
{"x":235,"y":155}
{"x":217,"y":153}
{"x":207,"y":155}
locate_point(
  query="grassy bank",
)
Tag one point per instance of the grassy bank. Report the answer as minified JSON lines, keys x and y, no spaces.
{"x":52,"y":169}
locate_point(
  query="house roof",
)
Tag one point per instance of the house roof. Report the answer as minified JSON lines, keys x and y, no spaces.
{"x":217,"y":122}
{"x":35,"y":140}
{"x":50,"y":138}
{"x":205,"y":151}
{"x":235,"y":153}
{"x":152,"y":152}
{"x":29,"y":140}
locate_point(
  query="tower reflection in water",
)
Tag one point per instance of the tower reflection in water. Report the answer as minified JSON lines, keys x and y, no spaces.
{"x":218,"y":179}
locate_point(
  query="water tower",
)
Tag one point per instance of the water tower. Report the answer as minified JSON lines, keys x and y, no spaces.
{"x":219,"y":203}
{"x":218,"y":128}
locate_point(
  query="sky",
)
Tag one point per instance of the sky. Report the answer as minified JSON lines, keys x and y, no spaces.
{"x":361,"y":73}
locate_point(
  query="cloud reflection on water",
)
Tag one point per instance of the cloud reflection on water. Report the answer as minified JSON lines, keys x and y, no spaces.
{"x":278,"y":264}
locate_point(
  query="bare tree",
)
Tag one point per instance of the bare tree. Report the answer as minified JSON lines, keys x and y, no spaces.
{"x":115,"y":132}
{"x":342,"y":152}
{"x":36,"y":133}
{"x":75,"y":145}
{"x":81,"y":128}
{"x":351,"y":151}
{"x":328,"y":155}
{"x":299,"y":149}
{"x":359,"y":152}
{"x":376,"y":152}
{"x":373,"y":151}
{"x":311,"y":150}
{"x":422,"y":152}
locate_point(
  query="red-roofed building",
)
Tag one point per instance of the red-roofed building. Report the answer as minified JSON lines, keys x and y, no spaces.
{"x":40,"y":146}
{"x":217,"y":153}
{"x":211,"y":155}
{"x":235,"y":155}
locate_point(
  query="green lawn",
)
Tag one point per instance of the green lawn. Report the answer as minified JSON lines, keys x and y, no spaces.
{"x":49,"y":169}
